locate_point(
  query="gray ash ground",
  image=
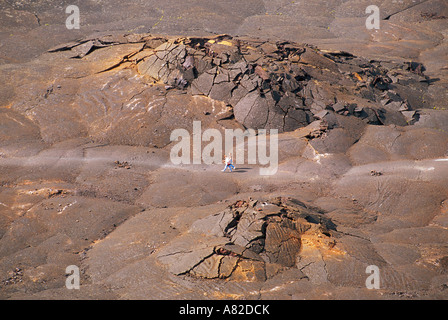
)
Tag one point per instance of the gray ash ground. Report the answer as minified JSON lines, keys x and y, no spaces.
{"x":85,"y":171}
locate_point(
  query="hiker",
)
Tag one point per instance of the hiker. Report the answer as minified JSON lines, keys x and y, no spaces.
{"x":228,"y":162}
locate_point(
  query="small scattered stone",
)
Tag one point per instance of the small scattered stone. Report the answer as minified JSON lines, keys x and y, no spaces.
{"x":375,"y":173}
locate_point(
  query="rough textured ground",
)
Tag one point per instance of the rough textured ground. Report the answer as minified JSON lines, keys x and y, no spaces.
{"x":85,"y":171}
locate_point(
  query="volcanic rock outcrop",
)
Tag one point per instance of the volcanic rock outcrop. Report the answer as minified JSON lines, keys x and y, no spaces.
{"x":250,"y":240}
{"x":273,"y":85}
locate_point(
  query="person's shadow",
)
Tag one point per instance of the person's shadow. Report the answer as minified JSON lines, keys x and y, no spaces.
{"x":241,"y":170}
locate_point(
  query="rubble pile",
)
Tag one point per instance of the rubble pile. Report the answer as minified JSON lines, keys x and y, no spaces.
{"x":250,"y":240}
{"x":276,"y":85}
